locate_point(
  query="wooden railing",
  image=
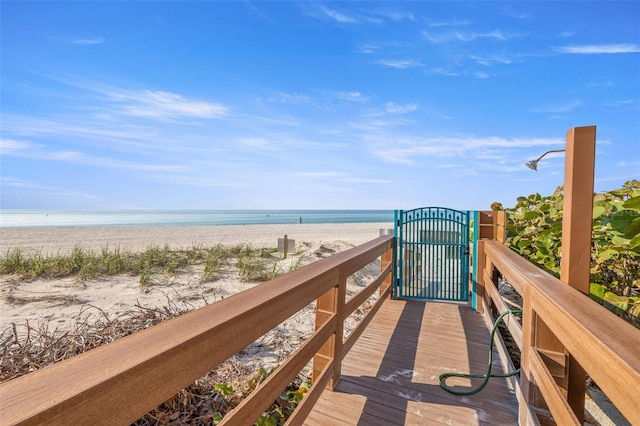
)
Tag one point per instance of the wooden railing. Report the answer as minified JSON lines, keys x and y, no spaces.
{"x":560,"y":324}
{"x":120,"y":382}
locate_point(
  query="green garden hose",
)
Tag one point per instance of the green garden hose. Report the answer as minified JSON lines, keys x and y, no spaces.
{"x":488,"y":375}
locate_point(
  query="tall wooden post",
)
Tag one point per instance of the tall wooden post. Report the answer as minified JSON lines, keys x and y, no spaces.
{"x":577,"y":209}
{"x":577,"y":219}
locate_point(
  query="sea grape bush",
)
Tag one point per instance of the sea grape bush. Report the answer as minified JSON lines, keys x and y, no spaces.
{"x":534,"y":230}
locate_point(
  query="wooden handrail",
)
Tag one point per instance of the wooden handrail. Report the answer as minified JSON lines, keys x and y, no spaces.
{"x":604,"y":345}
{"x":133,"y":375}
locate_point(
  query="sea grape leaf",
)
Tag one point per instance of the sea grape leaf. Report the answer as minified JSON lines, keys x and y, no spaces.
{"x":615,"y":303}
{"x":597,"y":291}
{"x":633,"y":229}
{"x":598,"y":210}
{"x":623,"y":219}
{"x":632,"y":203}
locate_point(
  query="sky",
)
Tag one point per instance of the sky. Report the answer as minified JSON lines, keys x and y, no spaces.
{"x":310,"y":105}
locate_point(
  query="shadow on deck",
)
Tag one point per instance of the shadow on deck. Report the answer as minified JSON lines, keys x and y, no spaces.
{"x":390,"y":376}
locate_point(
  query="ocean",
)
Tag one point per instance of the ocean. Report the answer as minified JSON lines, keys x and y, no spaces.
{"x":17,"y":218}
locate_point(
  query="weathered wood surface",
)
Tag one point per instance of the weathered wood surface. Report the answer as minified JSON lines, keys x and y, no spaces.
{"x":390,"y":376}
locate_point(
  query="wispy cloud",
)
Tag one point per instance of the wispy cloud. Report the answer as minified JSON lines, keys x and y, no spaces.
{"x":453,"y":23}
{"x":325,"y":13}
{"x":257,"y":143}
{"x":460,"y":36}
{"x":565,"y":34}
{"x":624,"y":103}
{"x":338,"y":177}
{"x":558,"y":108}
{"x":393,"y":108}
{"x":394,"y":15}
{"x":165,"y":105}
{"x":628,"y":164}
{"x":405,"y":149}
{"x":399,"y":64}
{"x":11,"y":146}
{"x":596,"y":49}
{"x":288,"y":98}
{"x":511,"y":13}
{"x":493,"y":59}
{"x":26,"y":149}
{"x":87,"y":40}
{"x":352,"y":96}
{"x":9,"y":183}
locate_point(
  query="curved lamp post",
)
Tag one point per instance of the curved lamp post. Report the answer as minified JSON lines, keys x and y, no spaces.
{"x":533,"y":164}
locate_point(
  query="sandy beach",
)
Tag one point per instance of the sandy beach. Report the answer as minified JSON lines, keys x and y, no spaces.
{"x":53,"y":240}
{"x":61,"y":302}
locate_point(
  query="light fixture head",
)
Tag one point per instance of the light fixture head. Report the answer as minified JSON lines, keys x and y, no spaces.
{"x":533,"y":164}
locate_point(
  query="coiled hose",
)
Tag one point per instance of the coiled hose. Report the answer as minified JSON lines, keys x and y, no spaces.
{"x":443,"y":377}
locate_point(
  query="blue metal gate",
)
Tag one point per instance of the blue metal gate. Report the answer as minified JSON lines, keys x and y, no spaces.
{"x":432,"y":254}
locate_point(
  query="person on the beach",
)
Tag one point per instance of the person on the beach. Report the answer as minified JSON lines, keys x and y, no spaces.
{"x":300,"y":219}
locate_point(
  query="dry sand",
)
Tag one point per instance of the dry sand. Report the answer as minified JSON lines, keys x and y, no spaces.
{"x":59,"y":303}
{"x":63,"y":239}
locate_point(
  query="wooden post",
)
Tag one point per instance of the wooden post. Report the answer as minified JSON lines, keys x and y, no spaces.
{"x":577,"y":220}
{"x":385,"y":260}
{"x":577,"y":207}
{"x":329,"y":304}
{"x":480,"y":262}
{"x":286,"y":246}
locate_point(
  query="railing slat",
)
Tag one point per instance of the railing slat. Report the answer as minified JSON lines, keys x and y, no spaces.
{"x":261,"y":398}
{"x":361,"y":297}
{"x":558,"y":405}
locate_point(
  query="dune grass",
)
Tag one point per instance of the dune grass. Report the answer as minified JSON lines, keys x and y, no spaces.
{"x":254,"y":264}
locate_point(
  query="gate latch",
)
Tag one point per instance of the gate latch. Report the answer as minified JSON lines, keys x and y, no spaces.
{"x":466,"y":250}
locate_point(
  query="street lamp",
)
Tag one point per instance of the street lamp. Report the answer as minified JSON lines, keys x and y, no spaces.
{"x":533,"y":164}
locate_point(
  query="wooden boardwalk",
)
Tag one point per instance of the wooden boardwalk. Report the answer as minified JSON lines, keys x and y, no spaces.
{"x":390,"y":376}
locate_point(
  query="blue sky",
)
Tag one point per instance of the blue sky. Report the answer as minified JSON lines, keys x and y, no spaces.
{"x":251,"y":105}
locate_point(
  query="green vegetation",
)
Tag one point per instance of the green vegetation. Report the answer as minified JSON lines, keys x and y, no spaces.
{"x":281,"y":409}
{"x":254,"y":264}
{"x":535,"y":232}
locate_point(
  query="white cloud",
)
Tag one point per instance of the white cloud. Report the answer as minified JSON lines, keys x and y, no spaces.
{"x":395,"y":15}
{"x":88,"y":40}
{"x":495,"y":59}
{"x":453,"y":23}
{"x":399,"y":64}
{"x":454,"y":36}
{"x":12,"y":146}
{"x":11,"y":182}
{"x":352,"y":96}
{"x":628,"y":164}
{"x":405,"y":149}
{"x":393,"y":108}
{"x":595,"y":49}
{"x":336,"y":15}
{"x":558,"y":108}
{"x":289,"y":98}
{"x":624,"y":103}
{"x":25,"y":149}
{"x":565,"y":34}
{"x":256,"y":143}
{"x":165,"y":105}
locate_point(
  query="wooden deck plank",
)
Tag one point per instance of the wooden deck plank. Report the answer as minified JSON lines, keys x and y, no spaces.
{"x":391,"y":374}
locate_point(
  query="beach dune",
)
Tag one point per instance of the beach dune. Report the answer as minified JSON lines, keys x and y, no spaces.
{"x":59,"y":302}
